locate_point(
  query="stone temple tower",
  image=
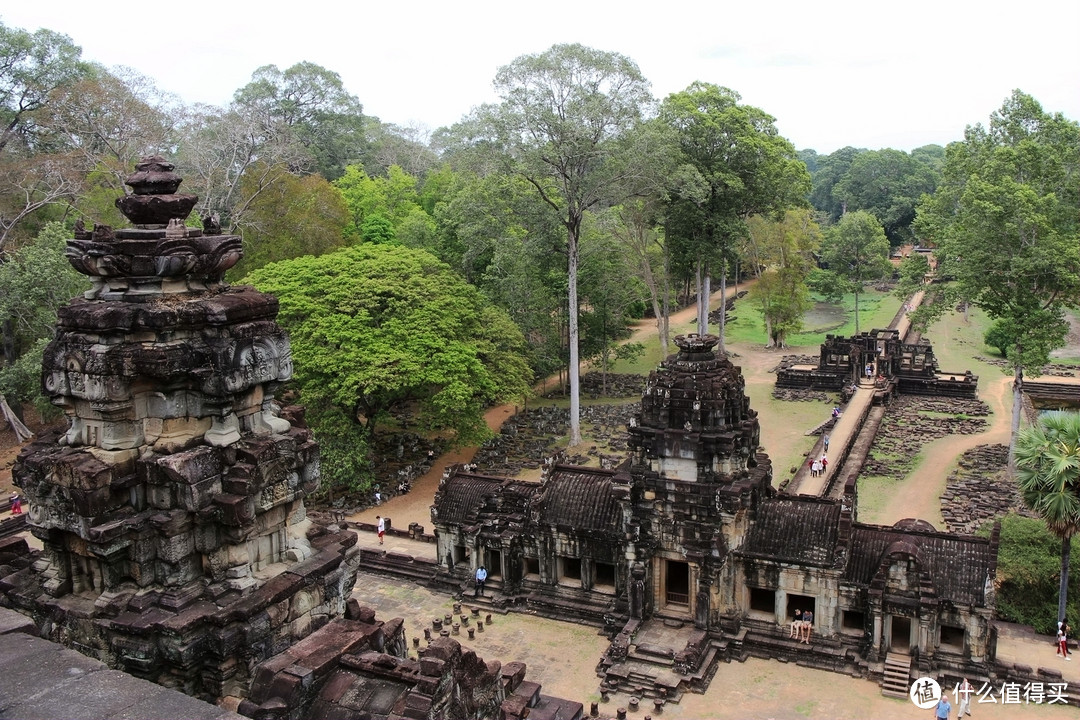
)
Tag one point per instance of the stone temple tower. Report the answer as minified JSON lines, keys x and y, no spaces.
{"x":171,"y":511}
{"x":699,"y":472}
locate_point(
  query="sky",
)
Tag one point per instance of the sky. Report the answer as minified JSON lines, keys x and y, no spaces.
{"x":833,"y":73}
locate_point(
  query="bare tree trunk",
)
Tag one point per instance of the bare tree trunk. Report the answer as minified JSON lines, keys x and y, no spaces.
{"x":1018,"y":400}
{"x":22,"y":433}
{"x":856,"y":310}
{"x":723,"y":304}
{"x":1063,"y":587}
{"x":575,"y":378}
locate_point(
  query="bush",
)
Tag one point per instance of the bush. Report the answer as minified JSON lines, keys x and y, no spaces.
{"x":1029,"y":563}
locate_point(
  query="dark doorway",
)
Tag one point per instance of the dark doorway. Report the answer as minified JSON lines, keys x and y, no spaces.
{"x":677,"y":584}
{"x":900,"y":638}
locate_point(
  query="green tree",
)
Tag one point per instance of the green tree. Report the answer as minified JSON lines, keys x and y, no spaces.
{"x":394,"y":196}
{"x":293,"y":216}
{"x":856,"y":251}
{"x":381,"y":328}
{"x":564,"y":125}
{"x":830,"y":171}
{"x":35,"y":281}
{"x":781,"y":251}
{"x":734,"y":164}
{"x":1048,"y":474}
{"x":37,"y":169}
{"x":611,"y":297}
{"x":309,"y":104}
{"x":1005,"y":220}
{"x":887,"y":183}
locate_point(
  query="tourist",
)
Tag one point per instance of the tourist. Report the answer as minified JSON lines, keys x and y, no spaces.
{"x":481,"y":578}
{"x":1063,"y":642}
{"x":835,"y":413}
{"x":807,"y":625}
{"x":964,"y":691}
{"x":825,"y":442}
{"x":824,"y":464}
{"x":381,"y":528}
{"x":869,"y":371}
{"x":796,"y":624}
{"x":378,"y":496}
{"x":941,"y":712}
{"x":16,"y":504}
{"x":1067,"y":630}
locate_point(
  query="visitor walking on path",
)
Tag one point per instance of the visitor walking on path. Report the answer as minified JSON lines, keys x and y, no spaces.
{"x":1063,"y":642}
{"x":825,"y":443}
{"x":964,"y":692}
{"x":941,"y":712}
{"x":381,"y":528}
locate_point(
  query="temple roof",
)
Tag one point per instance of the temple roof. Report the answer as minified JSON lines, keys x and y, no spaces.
{"x":580,"y":498}
{"x":463,"y":497}
{"x":797,"y":530}
{"x":957,"y":565}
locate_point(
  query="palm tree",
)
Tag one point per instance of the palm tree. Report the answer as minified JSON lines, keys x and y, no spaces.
{"x":1048,"y":474}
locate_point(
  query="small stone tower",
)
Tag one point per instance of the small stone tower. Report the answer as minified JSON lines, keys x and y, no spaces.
{"x":171,"y":511}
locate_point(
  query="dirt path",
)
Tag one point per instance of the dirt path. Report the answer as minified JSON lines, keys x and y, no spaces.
{"x":918,"y":496}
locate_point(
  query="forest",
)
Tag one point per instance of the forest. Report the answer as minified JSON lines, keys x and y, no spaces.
{"x":528,"y":236}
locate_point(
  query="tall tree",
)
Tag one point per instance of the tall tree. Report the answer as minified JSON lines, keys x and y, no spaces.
{"x":32,"y":66}
{"x":310,"y":104}
{"x":830,"y":171}
{"x":1048,"y":473}
{"x":36,"y":168}
{"x":856,"y":251}
{"x":781,"y":252}
{"x":735,"y":164}
{"x":564,"y":124}
{"x":1006,"y":219}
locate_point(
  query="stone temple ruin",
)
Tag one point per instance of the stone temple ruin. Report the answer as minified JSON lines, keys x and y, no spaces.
{"x":898,"y":366}
{"x":176,"y":544}
{"x":689,"y":556}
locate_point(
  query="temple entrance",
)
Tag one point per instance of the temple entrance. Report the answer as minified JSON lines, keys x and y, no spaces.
{"x":900,"y":634}
{"x":677,"y":585}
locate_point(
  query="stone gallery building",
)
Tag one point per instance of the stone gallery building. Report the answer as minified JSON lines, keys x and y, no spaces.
{"x":690,"y":531}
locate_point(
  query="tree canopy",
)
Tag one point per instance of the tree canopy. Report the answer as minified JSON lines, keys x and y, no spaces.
{"x":734,"y":164}
{"x":1006,"y":220}
{"x":856,"y":251}
{"x":380,"y":329}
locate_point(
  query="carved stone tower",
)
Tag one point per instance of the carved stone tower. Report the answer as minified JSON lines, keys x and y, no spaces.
{"x":699,"y":470}
{"x":171,"y":512}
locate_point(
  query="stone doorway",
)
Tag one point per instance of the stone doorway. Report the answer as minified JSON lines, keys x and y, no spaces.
{"x":676,"y":586}
{"x":900,"y":634}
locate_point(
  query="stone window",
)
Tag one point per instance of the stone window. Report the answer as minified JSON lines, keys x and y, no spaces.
{"x":852,"y":622}
{"x":802,"y":603}
{"x":570,"y":571}
{"x":604,"y":578}
{"x":762,"y":602}
{"x":530,"y":568}
{"x":952,"y":638}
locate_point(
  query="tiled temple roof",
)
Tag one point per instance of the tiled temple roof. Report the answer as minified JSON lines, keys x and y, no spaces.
{"x":794,"y":530}
{"x":957,"y":565}
{"x":580,"y":498}
{"x":463,"y":497}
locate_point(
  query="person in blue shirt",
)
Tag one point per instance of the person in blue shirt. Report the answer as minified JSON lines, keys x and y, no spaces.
{"x":481,"y":578}
{"x":941,"y":712}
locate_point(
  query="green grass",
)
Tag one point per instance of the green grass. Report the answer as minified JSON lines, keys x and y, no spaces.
{"x":876,"y":310}
{"x":875,"y":493}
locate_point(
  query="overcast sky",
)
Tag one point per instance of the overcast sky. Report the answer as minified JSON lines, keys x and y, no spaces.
{"x":866,"y":74}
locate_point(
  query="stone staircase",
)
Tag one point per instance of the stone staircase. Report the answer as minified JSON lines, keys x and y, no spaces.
{"x":897,"y":679}
{"x":661,"y":660}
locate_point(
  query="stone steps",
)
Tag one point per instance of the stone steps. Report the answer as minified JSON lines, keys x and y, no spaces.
{"x":897,"y":678}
